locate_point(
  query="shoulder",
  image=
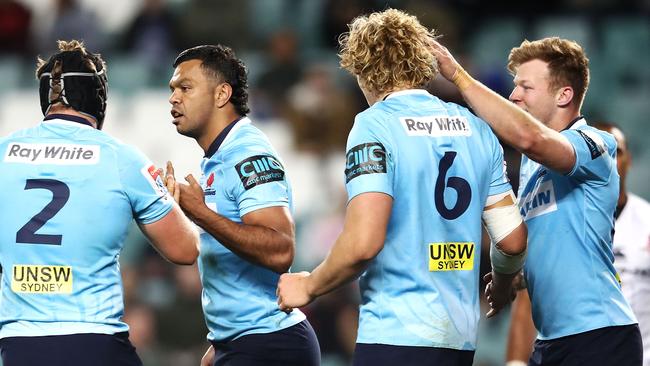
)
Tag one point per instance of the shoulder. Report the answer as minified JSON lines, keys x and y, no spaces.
{"x":594,"y":138}
{"x":124,"y":154}
{"x":372,"y":121}
{"x":22,"y":133}
{"x":251,"y":149}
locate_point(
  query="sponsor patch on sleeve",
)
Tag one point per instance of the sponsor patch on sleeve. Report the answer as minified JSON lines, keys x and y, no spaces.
{"x":155,"y":179}
{"x":368,"y":158}
{"x":451,"y":256}
{"x":594,"y":142}
{"x":41,"y":279}
{"x":259,"y":169}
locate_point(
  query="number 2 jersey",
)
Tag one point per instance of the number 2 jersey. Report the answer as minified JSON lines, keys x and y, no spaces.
{"x":439,"y":163}
{"x":69,"y":193}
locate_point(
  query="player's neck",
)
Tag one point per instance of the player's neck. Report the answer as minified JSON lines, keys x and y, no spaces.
{"x":71,"y":112}
{"x":563,"y":120}
{"x":215,"y":127}
{"x":383,"y":95}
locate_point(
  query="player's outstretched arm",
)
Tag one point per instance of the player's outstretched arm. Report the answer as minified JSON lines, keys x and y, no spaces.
{"x":522,"y":330}
{"x":512,"y":124}
{"x":174,"y":237}
{"x":363,"y":237}
{"x":265,"y":236}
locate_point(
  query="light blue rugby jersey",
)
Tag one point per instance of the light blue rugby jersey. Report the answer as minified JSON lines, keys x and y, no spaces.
{"x":69,"y":193}
{"x":241,"y":173}
{"x":569,"y":270}
{"x":439,"y":162}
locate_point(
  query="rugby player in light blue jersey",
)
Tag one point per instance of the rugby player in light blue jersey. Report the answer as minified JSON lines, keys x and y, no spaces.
{"x":420,"y":174}
{"x":243,"y":204}
{"x":69,"y":193}
{"x":568,"y":191}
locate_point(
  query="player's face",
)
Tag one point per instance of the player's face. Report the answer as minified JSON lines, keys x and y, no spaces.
{"x":192,"y":98}
{"x":532,"y":91}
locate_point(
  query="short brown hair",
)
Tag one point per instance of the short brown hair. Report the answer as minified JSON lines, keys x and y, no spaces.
{"x":388,"y":50}
{"x":567,"y":62}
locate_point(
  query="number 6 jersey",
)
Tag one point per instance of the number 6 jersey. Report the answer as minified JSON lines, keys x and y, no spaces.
{"x":439,"y":163}
{"x":69,"y":193}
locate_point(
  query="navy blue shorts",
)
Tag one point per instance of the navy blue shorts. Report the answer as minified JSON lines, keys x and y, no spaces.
{"x":389,"y":355}
{"x":617,"y":346}
{"x":69,"y":350}
{"x":293,"y":346}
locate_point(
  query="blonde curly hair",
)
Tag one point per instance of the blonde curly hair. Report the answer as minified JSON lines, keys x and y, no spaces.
{"x":388,"y":50}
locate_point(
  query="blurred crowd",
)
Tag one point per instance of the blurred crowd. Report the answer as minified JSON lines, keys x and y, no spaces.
{"x":290,"y":47}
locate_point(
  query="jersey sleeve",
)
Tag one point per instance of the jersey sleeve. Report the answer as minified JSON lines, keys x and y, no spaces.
{"x":368,"y":165}
{"x":258,"y":180}
{"x":150,"y":200}
{"x":499,"y":182}
{"x":595,"y":154}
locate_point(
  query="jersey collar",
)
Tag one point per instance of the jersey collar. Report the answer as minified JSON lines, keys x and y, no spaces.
{"x":405,"y":92}
{"x":69,"y":118}
{"x":224,"y":134}
{"x":577,"y":122}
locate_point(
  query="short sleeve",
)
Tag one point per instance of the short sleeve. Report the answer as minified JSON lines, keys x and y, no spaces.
{"x":499,"y":182}
{"x":144,"y":187}
{"x":595,"y":154}
{"x":368,"y":165}
{"x":258,"y":179}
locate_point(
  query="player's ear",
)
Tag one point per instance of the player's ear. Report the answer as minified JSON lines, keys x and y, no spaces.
{"x":564,"y":96}
{"x":222,"y":94}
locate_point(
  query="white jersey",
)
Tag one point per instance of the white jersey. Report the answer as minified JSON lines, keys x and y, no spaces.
{"x":632,"y":251}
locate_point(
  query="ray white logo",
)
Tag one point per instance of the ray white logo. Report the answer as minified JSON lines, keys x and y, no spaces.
{"x":58,"y":154}
{"x":539,"y":201}
{"x":436,"y":126}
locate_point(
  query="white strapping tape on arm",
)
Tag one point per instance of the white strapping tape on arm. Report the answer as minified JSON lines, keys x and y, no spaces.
{"x":500,"y":222}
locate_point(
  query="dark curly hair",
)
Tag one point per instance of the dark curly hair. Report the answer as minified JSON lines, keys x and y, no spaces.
{"x":221,"y":63}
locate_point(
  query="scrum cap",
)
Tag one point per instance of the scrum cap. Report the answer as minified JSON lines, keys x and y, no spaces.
{"x":75,"y":79}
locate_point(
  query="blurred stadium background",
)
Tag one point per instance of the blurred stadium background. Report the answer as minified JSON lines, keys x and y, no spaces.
{"x":306,"y":105}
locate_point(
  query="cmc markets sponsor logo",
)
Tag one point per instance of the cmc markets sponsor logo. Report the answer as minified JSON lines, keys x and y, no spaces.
{"x":451,"y":256}
{"x":436,"y":126}
{"x":259,"y":169}
{"x":539,"y":201}
{"x":368,"y":158}
{"x":58,"y":154}
{"x":41,"y":279}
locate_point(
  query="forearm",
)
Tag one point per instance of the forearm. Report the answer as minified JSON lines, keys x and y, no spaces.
{"x":522,"y":330}
{"x":259,"y":244}
{"x":342,"y":265}
{"x":512,"y":124}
